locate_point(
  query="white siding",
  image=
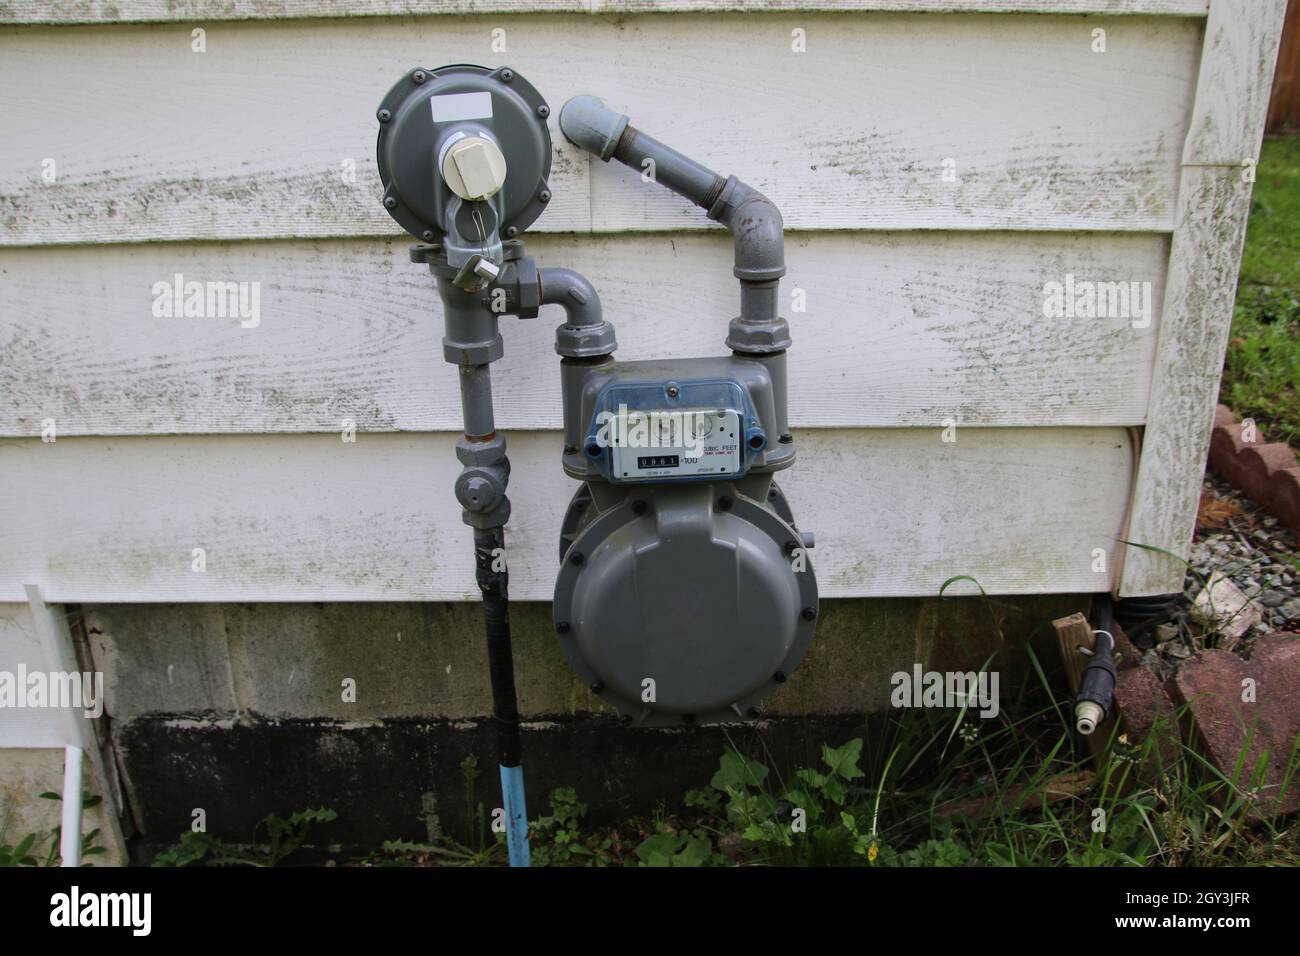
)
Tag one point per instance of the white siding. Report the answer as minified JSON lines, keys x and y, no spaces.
{"x":924,"y":297}
{"x":901,"y":329}
{"x":114,"y":11}
{"x":312,"y":518}
{"x":247,"y":139}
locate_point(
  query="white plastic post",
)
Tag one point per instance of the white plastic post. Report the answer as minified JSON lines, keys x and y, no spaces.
{"x":70,"y":844}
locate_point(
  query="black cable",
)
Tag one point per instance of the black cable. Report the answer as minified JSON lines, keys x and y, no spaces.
{"x":1097,"y":683}
{"x":489,"y":555}
{"x":1139,"y":615}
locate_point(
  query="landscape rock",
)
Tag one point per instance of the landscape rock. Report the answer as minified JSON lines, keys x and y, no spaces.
{"x":1266,"y":473}
{"x":1145,"y":709}
{"x":1222,"y":607}
{"x":1237,"y":705}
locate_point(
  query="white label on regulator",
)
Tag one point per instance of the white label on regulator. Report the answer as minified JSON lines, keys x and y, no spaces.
{"x":680,"y":443}
{"x":451,"y":107}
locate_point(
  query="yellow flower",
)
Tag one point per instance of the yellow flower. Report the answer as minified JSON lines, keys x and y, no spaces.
{"x":1123,"y":738}
{"x":872,"y":853}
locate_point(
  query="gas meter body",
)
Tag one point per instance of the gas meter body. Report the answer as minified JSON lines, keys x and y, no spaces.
{"x":685,"y":592}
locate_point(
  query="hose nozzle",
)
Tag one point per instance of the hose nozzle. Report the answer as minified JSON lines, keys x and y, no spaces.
{"x":1087,"y":715}
{"x":1097,"y":687}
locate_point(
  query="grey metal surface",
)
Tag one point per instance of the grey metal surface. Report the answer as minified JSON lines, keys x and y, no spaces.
{"x":585,"y":333}
{"x":425,"y":117}
{"x":690,"y":587}
{"x":476,"y":400}
{"x":582,"y":384}
{"x":588,"y":123}
{"x":678,"y":600}
{"x":410,"y":142}
{"x":753,"y":219}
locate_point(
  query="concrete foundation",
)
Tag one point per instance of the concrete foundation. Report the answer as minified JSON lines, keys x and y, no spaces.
{"x":369,"y":709}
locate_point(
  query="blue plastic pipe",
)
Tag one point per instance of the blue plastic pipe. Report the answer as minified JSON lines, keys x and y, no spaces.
{"x":512,"y":792}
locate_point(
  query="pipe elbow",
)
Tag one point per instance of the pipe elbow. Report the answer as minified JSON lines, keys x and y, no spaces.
{"x":588,"y":123}
{"x":574,"y":292}
{"x":757,"y":228}
{"x":752,"y":219}
{"x":585,"y":332}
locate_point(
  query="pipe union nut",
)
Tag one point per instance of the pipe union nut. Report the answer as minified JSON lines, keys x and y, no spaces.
{"x":483,"y":454}
{"x":759,"y":338}
{"x":473,"y":353}
{"x":585,"y":341}
{"x":519,"y":281}
{"x":530,"y":289}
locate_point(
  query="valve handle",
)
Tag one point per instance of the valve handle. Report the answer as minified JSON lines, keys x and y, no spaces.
{"x":477,"y":272}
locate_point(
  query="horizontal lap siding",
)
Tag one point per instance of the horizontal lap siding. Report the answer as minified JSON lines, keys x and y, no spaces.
{"x":249,"y":139}
{"x":924,"y":296}
{"x":900,"y":329}
{"x":111,"y":11}
{"x":312,"y":518}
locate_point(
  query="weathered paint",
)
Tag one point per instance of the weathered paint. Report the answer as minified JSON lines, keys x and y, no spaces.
{"x":909,"y":328}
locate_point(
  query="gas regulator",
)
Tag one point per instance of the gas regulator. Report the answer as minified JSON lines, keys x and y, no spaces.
{"x":684,"y":592}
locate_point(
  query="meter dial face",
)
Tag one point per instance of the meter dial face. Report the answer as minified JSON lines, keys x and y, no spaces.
{"x":686,"y":443}
{"x":675,"y":429}
{"x":666,"y":430}
{"x":697,"y":426}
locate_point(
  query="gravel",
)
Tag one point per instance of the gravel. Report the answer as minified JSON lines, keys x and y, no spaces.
{"x":1238,"y":540}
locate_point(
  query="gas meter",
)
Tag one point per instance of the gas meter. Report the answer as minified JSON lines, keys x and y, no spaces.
{"x":684,"y":593}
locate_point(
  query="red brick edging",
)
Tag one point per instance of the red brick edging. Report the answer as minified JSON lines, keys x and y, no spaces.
{"x":1266,"y":474}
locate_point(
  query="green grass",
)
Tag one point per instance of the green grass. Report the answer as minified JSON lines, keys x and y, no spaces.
{"x":1261,"y":377}
{"x":924,"y":787}
{"x":938,"y":788}
{"x":929,"y":787}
